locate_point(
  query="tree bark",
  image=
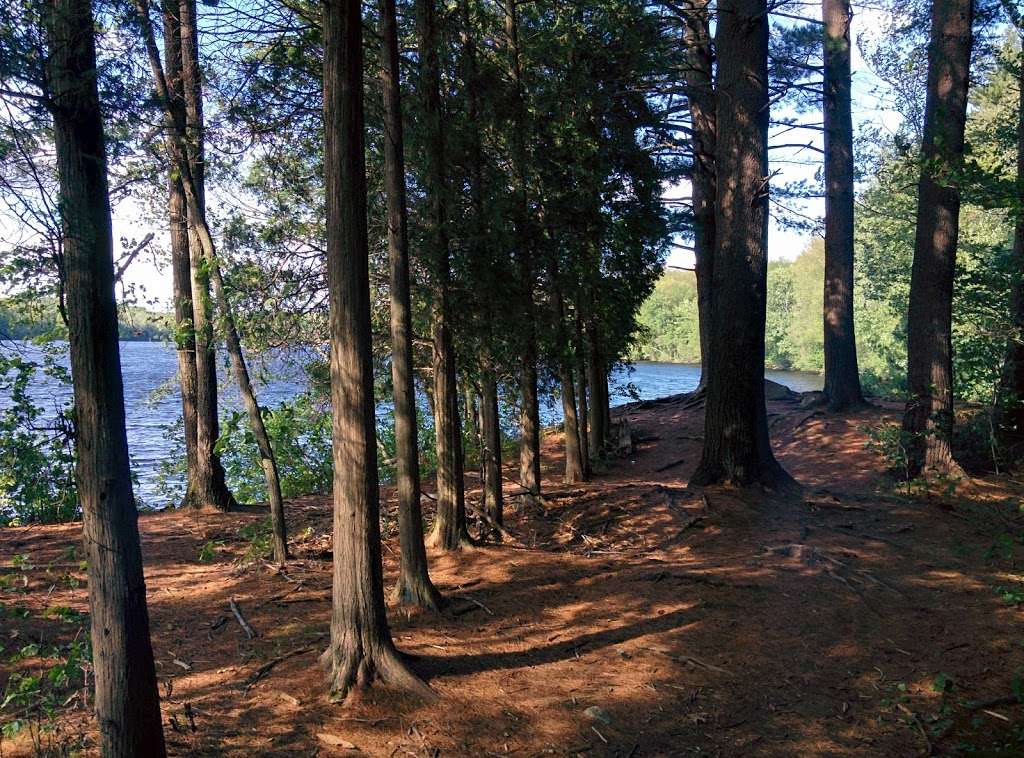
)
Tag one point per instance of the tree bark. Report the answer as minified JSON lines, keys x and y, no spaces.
{"x":570,"y":423}
{"x":1010,"y":407}
{"x":361,"y":647}
{"x":581,"y":394}
{"x":842,"y":377}
{"x":928,"y":418}
{"x":211,"y":490}
{"x":449,"y":532}
{"x":491,"y":434}
{"x":700,"y":93}
{"x":529,"y":415}
{"x":177,"y":212}
{"x":596,"y":379}
{"x":414,"y":586}
{"x":127,"y":704}
{"x":736,"y":446}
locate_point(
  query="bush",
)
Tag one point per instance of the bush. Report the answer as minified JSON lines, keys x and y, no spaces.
{"x":37,"y":453}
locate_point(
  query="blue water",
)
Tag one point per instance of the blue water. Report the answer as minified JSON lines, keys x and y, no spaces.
{"x":152,"y":401}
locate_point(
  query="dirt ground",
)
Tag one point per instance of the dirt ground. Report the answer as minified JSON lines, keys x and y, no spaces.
{"x":634,"y":618}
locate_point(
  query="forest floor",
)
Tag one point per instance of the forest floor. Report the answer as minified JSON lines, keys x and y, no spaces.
{"x":634,"y":617}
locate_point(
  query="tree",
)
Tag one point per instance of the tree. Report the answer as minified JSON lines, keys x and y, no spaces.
{"x":450,"y":531}
{"x":210,"y":489}
{"x":201,"y":477}
{"x":184,"y":145}
{"x":736,"y":444}
{"x":127,"y":703}
{"x":1010,"y":408}
{"x":700,"y":94}
{"x":361,"y":648}
{"x":414,"y":585}
{"x":842,"y":377}
{"x":928,"y":417}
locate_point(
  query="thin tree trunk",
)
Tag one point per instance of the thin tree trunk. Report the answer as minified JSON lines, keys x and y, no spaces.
{"x":529,"y":416}
{"x":414,"y":586}
{"x":1010,"y":407}
{"x":177,"y":212}
{"x":595,"y":378}
{"x":570,"y":424}
{"x":450,"y":532}
{"x":177,"y":142}
{"x":581,"y":394}
{"x":361,"y":647}
{"x":211,"y":489}
{"x":491,"y":433}
{"x":127,"y":703}
{"x":736,"y":446}
{"x":700,"y":93}
{"x":928,"y":418}
{"x":842,"y":378}
{"x":195,"y":134}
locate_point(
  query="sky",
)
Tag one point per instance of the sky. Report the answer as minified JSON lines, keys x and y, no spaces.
{"x":151,"y":279}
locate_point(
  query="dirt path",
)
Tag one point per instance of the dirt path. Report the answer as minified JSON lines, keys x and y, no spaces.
{"x":637,"y":619}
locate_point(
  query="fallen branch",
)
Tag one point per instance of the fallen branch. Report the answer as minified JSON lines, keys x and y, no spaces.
{"x":249,"y":631}
{"x":493,"y":524}
{"x":263,"y":670}
{"x":667,"y":466}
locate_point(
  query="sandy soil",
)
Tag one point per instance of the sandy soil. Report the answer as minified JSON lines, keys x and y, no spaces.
{"x":635,"y":618}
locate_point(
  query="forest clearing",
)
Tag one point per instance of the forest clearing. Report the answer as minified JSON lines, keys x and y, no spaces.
{"x":629,"y":616}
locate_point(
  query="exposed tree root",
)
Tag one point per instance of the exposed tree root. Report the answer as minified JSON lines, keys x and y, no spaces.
{"x":418,"y":592}
{"x":353,"y":668}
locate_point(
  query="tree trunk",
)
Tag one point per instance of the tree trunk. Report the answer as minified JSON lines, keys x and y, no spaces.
{"x":529,"y":416}
{"x":928,"y":418}
{"x":176,"y":135}
{"x":127,"y":704}
{"x":414,"y":586}
{"x":211,"y":490}
{"x":1010,"y":407}
{"x":596,"y":378}
{"x":581,"y":394}
{"x":736,"y":446}
{"x":842,"y":378}
{"x":195,"y":131}
{"x":570,"y":424}
{"x":184,"y":333}
{"x":361,"y":648}
{"x":700,"y":93}
{"x":449,"y":531}
{"x":491,"y":433}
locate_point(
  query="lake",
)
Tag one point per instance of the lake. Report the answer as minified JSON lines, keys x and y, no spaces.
{"x":152,"y":401}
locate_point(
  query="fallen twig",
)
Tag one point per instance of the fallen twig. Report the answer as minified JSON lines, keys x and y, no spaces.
{"x":249,"y":631}
{"x":263,"y":670}
{"x":667,"y":466}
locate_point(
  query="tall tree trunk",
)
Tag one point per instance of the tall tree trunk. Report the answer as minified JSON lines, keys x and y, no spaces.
{"x":700,"y":93}
{"x":1010,"y":407}
{"x":181,"y":156}
{"x":570,"y":420}
{"x":449,"y":531}
{"x":211,"y":490}
{"x":597,"y":379}
{"x":928,"y":418}
{"x":361,"y":647}
{"x":414,"y":586}
{"x":736,"y":446}
{"x":491,"y":433}
{"x":177,"y":212}
{"x":581,"y":394}
{"x":127,"y":704}
{"x":842,"y":378}
{"x":529,"y":415}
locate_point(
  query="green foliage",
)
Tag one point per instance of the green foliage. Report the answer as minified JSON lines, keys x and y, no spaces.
{"x":38,"y":319}
{"x":669,"y":320}
{"x":37,"y":457}
{"x":300,"y":433}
